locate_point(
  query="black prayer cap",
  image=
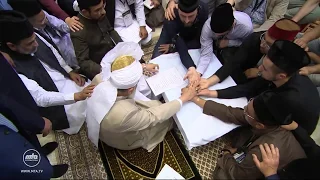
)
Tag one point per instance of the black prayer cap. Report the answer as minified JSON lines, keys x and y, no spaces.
{"x":188,"y":6}
{"x":14,"y":27}
{"x":222,"y":18}
{"x":288,"y":56}
{"x":29,"y":8}
{"x":271,"y":109}
{"x":86,"y":4}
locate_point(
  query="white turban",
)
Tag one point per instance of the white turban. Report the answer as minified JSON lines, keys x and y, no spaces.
{"x":105,"y":94}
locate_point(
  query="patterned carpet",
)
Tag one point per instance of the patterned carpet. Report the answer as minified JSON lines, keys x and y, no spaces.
{"x":141,"y":164}
{"x":85,"y":161}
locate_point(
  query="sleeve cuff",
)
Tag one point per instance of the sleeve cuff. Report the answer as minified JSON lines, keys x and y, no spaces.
{"x":200,"y":69}
{"x":67,"y":68}
{"x":180,"y":102}
{"x":142,"y":23}
{"x":69,"y":97}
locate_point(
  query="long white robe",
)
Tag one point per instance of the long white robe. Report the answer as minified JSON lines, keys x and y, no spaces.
{"x":75,"y":111}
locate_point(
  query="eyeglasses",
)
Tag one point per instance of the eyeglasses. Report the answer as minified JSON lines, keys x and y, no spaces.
{"x":245,"y":111}
{"x":263,"y":41}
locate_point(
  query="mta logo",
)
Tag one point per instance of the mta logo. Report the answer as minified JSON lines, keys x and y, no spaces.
{"x":31,"y":158}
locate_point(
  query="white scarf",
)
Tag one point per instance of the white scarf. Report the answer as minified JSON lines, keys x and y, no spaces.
{"x":105,"y":94}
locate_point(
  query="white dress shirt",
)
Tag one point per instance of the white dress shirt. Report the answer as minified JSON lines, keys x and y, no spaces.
{"x":131,"y":33}
{"x":76,"y":111}
{"x":242,"y":29}
{"x":122,"y":6}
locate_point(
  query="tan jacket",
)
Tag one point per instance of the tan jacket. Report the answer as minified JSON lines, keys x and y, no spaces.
{"x":228,"y":168}
{"x":275,"y":11}
{"x":132,"y":124}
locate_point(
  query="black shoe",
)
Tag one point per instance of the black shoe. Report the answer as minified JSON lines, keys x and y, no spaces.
{"x":49,"y":148}
{"x":59,"y":170}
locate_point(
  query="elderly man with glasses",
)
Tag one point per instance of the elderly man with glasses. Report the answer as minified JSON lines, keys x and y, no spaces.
{"x":262,"y":125}
{"x":294,"y":94}
{"x":242,"y":65}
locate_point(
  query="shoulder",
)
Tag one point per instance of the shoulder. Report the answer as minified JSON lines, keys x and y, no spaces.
{"x":81,"y":33}
{"x":242,"y":18}
{"x":120,"y":112}
{"x":203,"y":8}
{"x":207,"y":22}
{"x":254,"y":38}
{"x":123,"y":108}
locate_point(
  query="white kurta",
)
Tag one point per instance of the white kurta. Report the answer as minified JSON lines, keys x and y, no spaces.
{"x":75,"y":111}
{"x":131,"y":33}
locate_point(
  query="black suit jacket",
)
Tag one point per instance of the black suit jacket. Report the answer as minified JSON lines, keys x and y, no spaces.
{"x":16,"y":103}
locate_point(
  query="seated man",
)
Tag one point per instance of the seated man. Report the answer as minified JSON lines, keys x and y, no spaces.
{"x":263,"y":13}
{"x":49,"y":27}
{"x":279,"y":71}
{"x":95,"y":39}
{"x":242,"y":66}
{"x":49,"y":80}
{"x":221,"y":33}
{"x":129,"y":20}
{"x":20,"y":121}
{"x":154,"y":16}
{"x":263,"y":127}
{"x":125,"y":118}
{"x":183,"y":32}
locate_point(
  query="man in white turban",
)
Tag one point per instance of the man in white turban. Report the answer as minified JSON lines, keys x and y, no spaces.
{"x":121,"y":116}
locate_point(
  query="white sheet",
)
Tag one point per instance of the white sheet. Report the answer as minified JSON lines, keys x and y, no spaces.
{"x":168,"y":172}
{"x":165,"y":80}
{"x":198,"y":129}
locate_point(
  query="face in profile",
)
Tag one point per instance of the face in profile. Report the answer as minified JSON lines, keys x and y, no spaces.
{"x":97,"y":12}
{"x":25,"y":46}
{"x":269,"y":71}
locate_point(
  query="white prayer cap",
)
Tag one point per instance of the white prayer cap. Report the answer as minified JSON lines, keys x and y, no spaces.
{"x":105,"y":93}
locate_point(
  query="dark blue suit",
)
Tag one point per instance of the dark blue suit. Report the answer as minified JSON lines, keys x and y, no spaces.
{"x":13,"y":87}
{"x":18,"y":106}
{"x":11,"y":151}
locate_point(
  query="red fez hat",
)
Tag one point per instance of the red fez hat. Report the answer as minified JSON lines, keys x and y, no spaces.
{"x":284,"y":29}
